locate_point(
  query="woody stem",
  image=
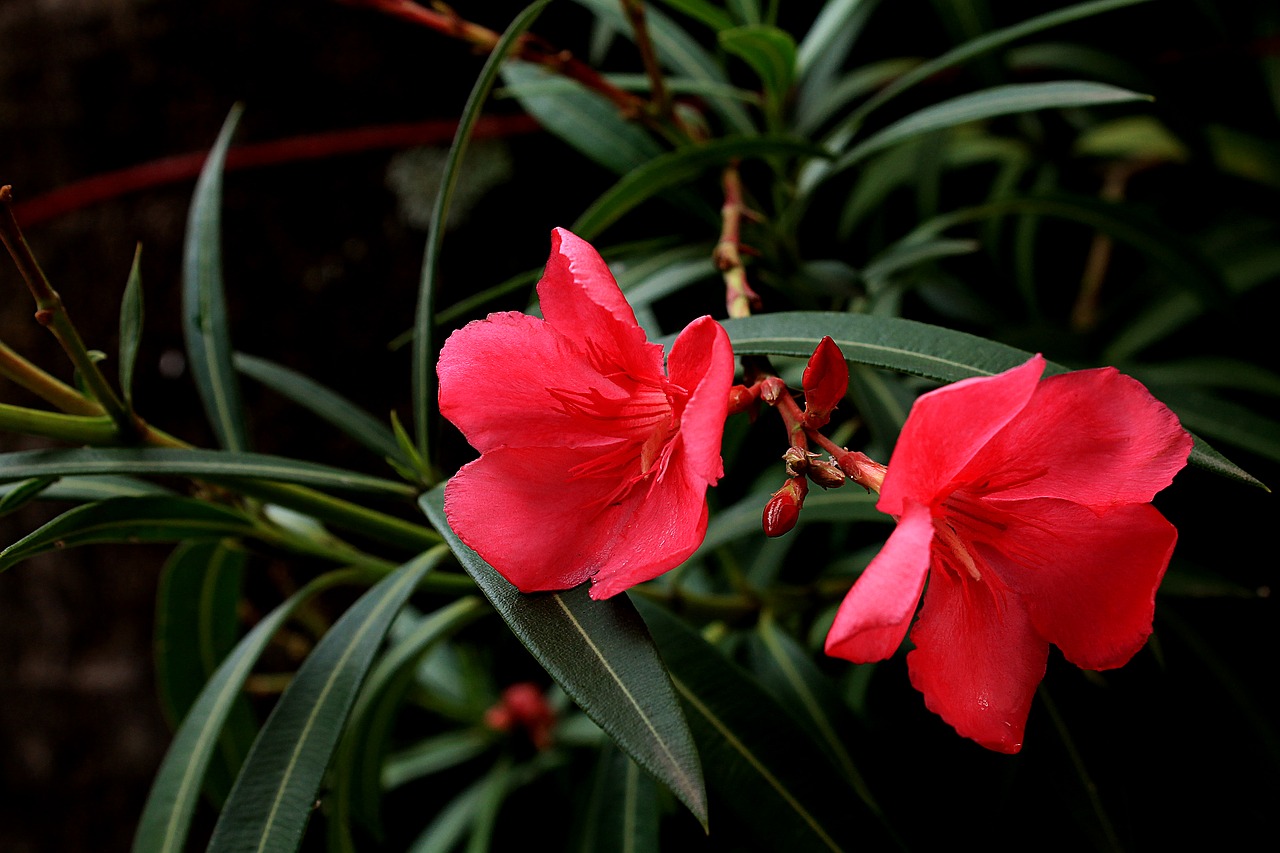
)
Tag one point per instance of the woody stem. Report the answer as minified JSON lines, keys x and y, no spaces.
{"x":739,"y":298}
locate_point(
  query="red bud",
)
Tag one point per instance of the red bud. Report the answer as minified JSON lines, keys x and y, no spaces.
{"x":783,"y":509}
{"x":826,"y":379}
{"x":742,"y":398}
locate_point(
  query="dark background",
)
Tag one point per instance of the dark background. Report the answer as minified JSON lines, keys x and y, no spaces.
{"x":321,"y":269}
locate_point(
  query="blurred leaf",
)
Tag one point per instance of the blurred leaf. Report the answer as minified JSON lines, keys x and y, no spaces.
{"x":197,"y":619}
{"x":910,"y":347}
{"x":275,"y":792}
{"x":1138,"y":137}
{"x":703,"y":11}
{"x":603,"y":657}
{"x":988,"y":103}
{"x":769,"y":51}
{"x":206,"y":464}
{"x":1246,"y":155}
{"x":131,"y":315}
{"x":780,"y":788}
{"x":587,"y":121}
{"x":803,"y":691}
{"x":329,"y":405}
{"x":141,"y":519}
{"x":985,"y":44}
{"x":621,"y":812}
{"x":826,"y":44}
{"x":1225,"y":420}
{"x":356,"y":775}
{"x":424,"y":346}
{"x":17,"y":495}
{"x":81,"y":489}
{"x":204,"y":308}
{"x":166,"y":819}
{"x":679,"y":52}
{"x":883,"y":403}
{"x":1209,"y":372}
{"x":434,"y":755}
{"x":833,"y":100}
{"x":848,"y":504}
{"x":678,"y":168}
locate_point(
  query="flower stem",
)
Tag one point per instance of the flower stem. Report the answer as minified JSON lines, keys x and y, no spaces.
{"x":46,"y":387}
{"x":659,"y":95}
{"x":739,"y":298}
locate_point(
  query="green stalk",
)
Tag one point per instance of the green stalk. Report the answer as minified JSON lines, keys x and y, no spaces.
{"x":78,"y":429}
{"x":51,"y":390}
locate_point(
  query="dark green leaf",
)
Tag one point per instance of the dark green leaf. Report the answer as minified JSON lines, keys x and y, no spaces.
{"x":328,"y":404}
{"x":621,"y":812}
{"x":140,"y":519}
{"x":424,"y":346}
{"x":703,"y":11}
{"x":601,"y":654}
{"x":20,"y":494}
{"x":275,"y":793}
{"x":677,"y":169}
{"x":204,"y":309}
{"x":196,"y":627}
{"x":769,"y":51}
{"x":166,"y":819}
{"x":205,"y":464}
{"x":780,"y":789}
{"x":81,"y":489}
{"x":433,"y":755}
{"x":131,"y":316}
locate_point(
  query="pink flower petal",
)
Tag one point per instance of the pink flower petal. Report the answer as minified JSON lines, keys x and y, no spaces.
{"x":947,"y":428}
{"x":1089,"y":582}
{"x":875,"y":614}
{"x":701,"y":362}
{"x":580,"y":298}
{"x":1095,"y":437}
{"x":495,"y":379}
{"x":977,"y":659}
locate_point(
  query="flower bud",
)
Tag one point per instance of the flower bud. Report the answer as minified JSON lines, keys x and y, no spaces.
{"x":772,"y":389}
{"x":797,"y":460}
{"x":742,"y":398}
{"x":783,"y":509}
{"x":825,"y":474}
{"x":825,"y":381}
{"x":524,"y":705}
{"x":862,"y":469}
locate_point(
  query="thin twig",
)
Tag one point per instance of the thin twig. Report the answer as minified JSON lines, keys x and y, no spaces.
{"x":739,"y":298}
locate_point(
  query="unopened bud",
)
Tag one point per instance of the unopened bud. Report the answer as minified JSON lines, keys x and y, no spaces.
{"x":524,"y":705}
{"x":742,"y":398}
{"x":797,"y":460}
{"x":825,"y":381}
{"x":826,"y":474}
{"x":862,"y":469}
{"x":772,"y":389}
{"x":783,"y":509}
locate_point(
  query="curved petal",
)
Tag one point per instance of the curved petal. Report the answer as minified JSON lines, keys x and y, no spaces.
{"x":701,"y":362}
{"x":580,"y":298}
{"x":521,"y":511}
{"x":875,"y":615}
{"x":1089,"y":582}
{"x":947,"y":428}
{"x":977,"y":659}
{"x":1095,"y":437}
{"x":652,"y":531}
{"x":494,"y":377}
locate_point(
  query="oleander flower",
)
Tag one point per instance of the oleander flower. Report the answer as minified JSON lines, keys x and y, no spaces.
{"x":594,"y":462}
{"x":1025,"y":503}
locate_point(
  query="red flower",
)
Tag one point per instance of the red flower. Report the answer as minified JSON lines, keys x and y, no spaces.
{"x":594,"y":462}
{"x":1026,"y":504}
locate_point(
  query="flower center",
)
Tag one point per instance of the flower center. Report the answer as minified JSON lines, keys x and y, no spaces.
{"x":965,"y":521}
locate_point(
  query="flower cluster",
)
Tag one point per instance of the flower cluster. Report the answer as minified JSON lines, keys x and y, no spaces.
{"x":1023,"y":504}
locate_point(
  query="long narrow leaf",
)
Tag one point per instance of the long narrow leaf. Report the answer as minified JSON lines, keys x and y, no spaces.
{"x":601,"y":654}
{"x":131,"y":316}
{"x":274,"y":795}
{"x":424,"y":324}
{"x":328,"y":404}
{"x":204,"y":309}
{"x":142,"y":519}
{"x":166,"y":819}
{"x":209,"y":464}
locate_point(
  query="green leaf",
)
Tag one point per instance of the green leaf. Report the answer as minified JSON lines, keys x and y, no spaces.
{"x":434,"y":755}
{"x":907,"y":346}
{"x":275,"y":792}
{"x":601,"y":654}
{"x":205,"y":464}
{"x":356,"y":776}
{"x":424,"y":347}
{"x":769,"y":51}
{"x":196,"y":620}
{"x":20,"y":494}
{"x":82,"y":489}
{"x":703,"y":11}
{"x":622,"y":810}
{"x":166,"y":818}
{"x":204,"y":309}
{"x":826,"y":44}
{"x":743,"y":518}
{"x":678,"y":168}
{"x":333,"y":407}
{"x":817,"y":109}
{"x":781,"y":790}
{"x":131,"y":315}
{"x":1225,"y":420}
{"x":586,"y":120}
{"x":988,"y":103}
{"x":141,"y":519}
